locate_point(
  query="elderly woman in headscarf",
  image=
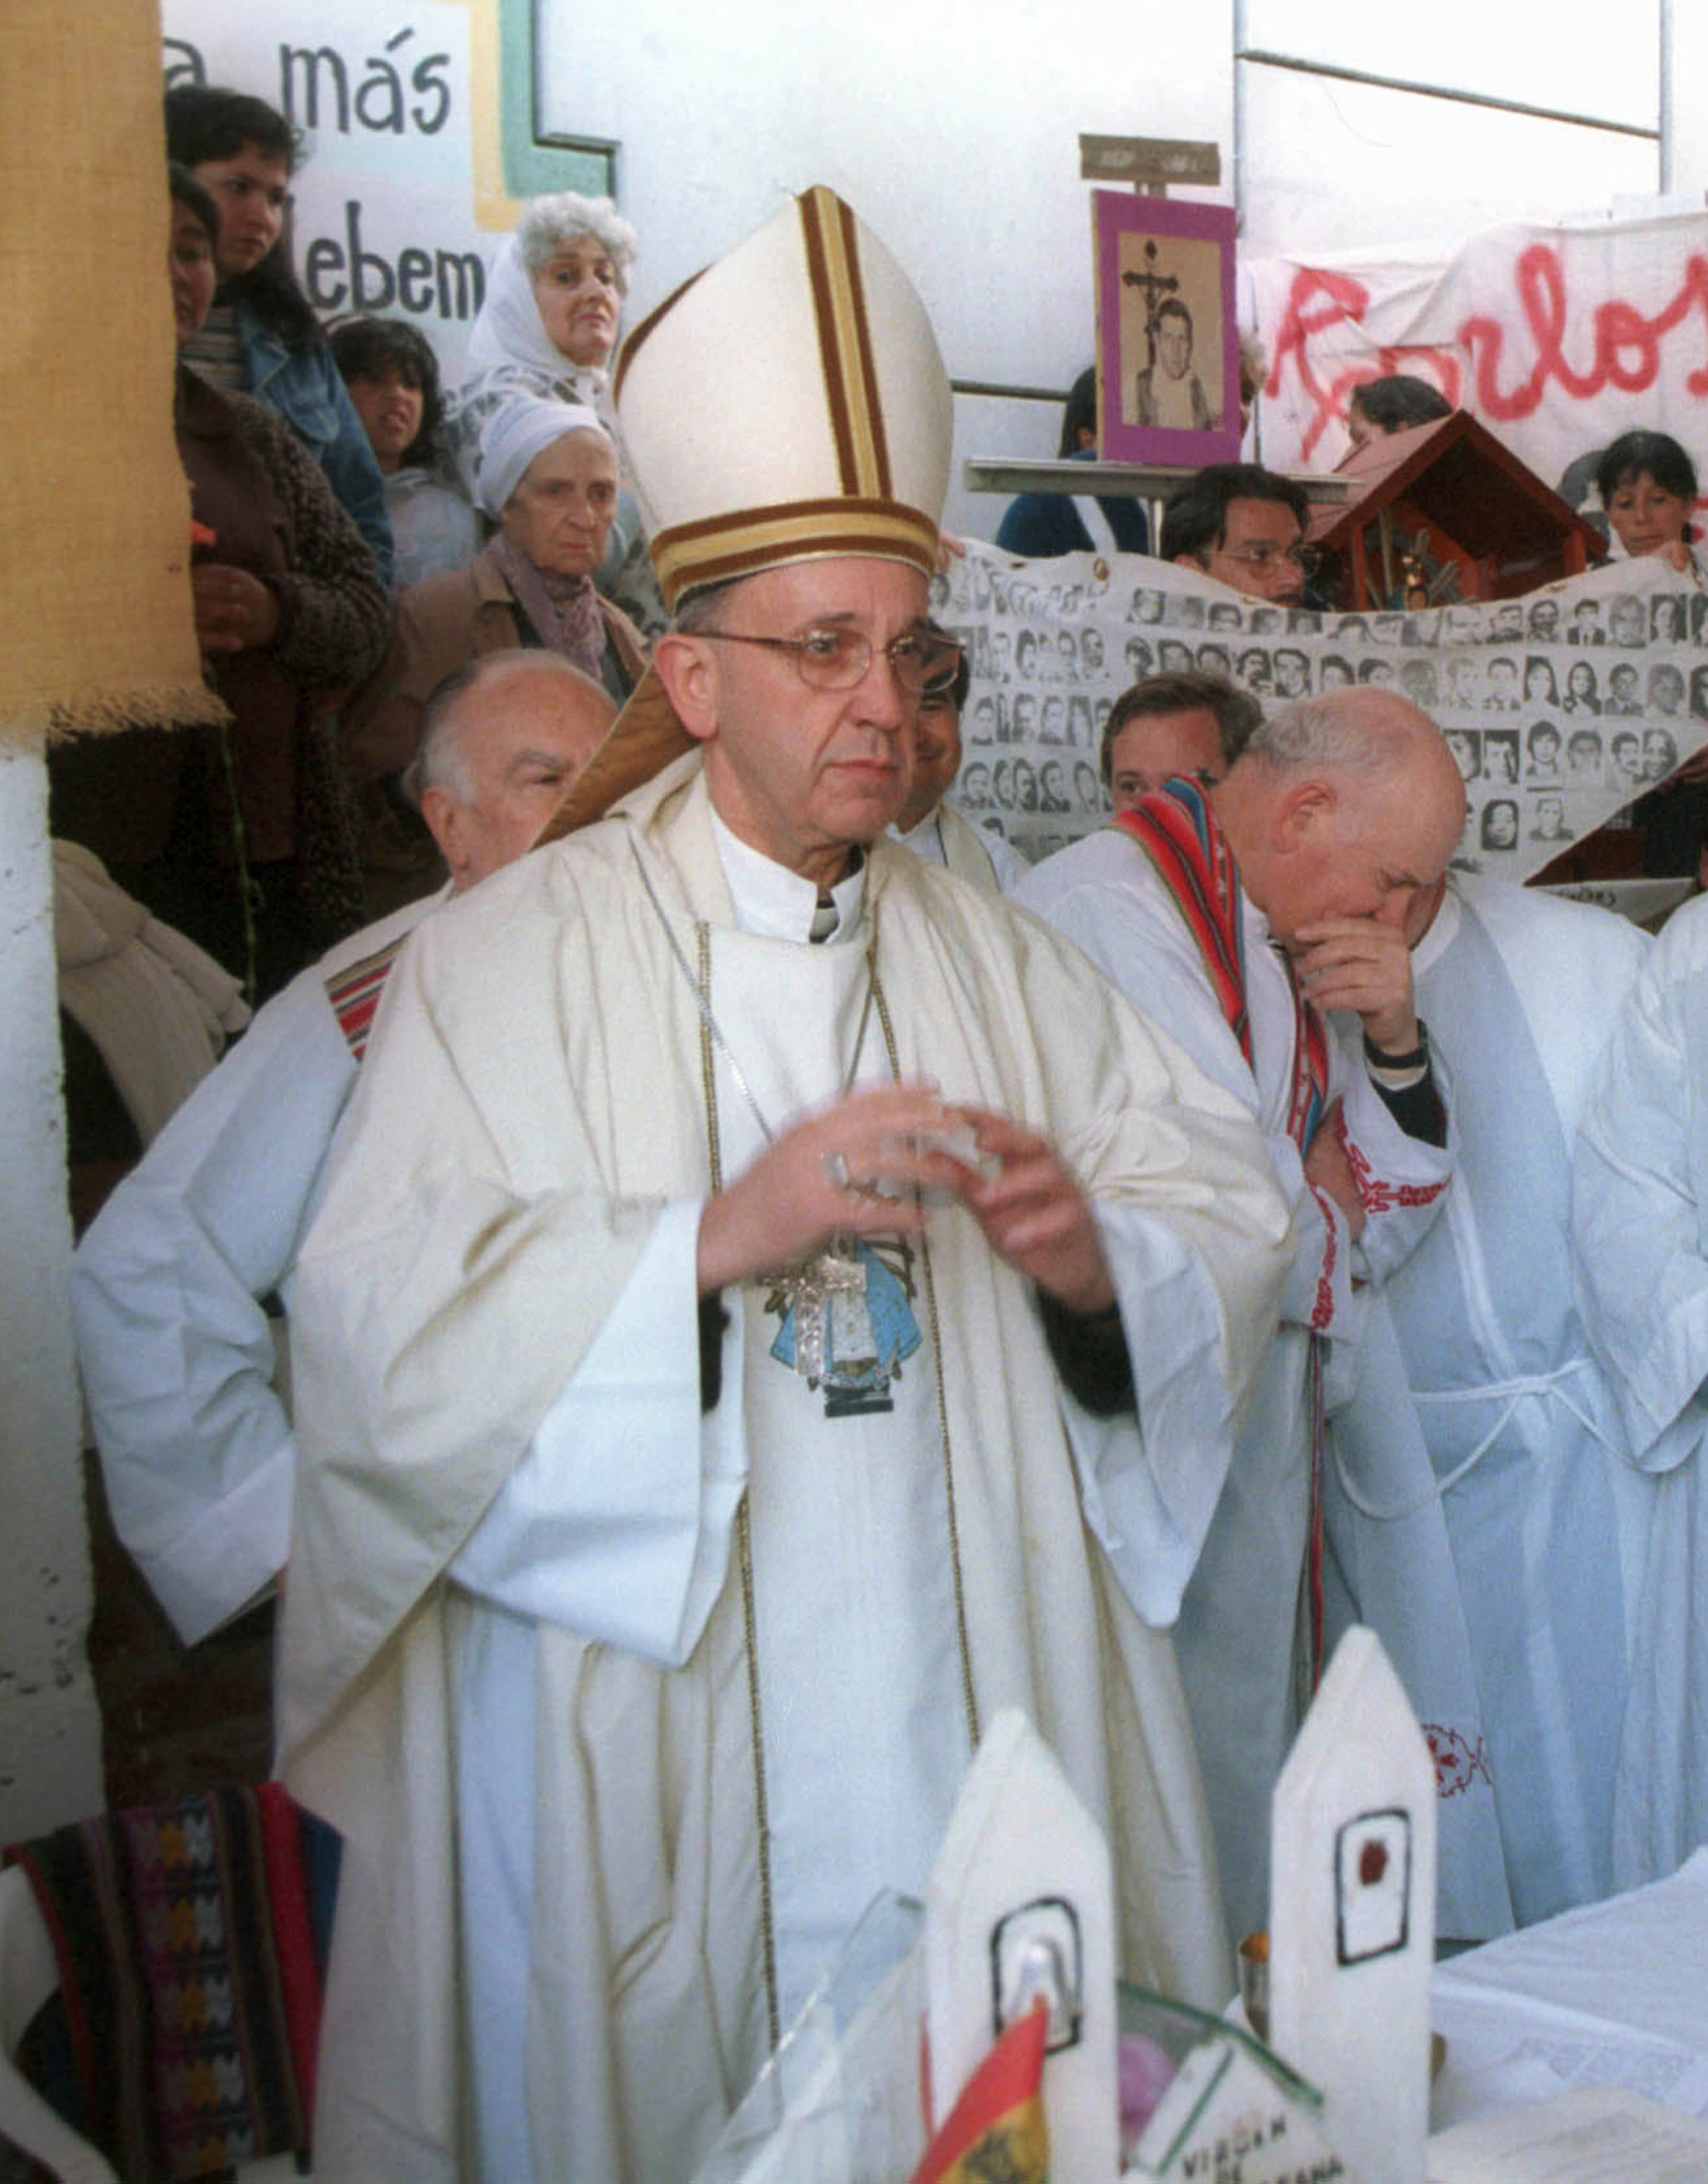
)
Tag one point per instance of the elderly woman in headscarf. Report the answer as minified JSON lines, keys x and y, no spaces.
{"x":549,"y":323}
{"x":548,"y":326}
{"x":549,"y":480}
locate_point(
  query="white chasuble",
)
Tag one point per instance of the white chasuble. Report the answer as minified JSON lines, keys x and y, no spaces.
{"x":509,"y":1486}
{"x":864,"y":1726}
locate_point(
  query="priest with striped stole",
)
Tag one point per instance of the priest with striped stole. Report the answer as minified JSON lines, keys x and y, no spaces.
{"x":1239,"y":916}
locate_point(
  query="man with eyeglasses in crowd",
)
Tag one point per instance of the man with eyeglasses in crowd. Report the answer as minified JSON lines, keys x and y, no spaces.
{"x":928,"y":823}
{"x":775,"y":1307}
{"x":1244,"y":526}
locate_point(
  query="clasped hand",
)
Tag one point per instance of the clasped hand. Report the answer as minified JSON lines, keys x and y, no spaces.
{"x":1328,"y":1166}
{"x":234,"y":610}
{"x":1358,"y":964}
{"x":857,"y":1167}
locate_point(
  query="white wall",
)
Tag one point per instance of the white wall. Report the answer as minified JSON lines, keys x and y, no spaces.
{"x":1331,"y":165}
{"x":1425,"y":168}
{"x":50,"y":1729}
{"x":953,"y":128}
{"x":1689,"y":107}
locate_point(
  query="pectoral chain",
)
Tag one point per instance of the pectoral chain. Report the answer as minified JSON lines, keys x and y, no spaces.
{"x":846,"y":1321}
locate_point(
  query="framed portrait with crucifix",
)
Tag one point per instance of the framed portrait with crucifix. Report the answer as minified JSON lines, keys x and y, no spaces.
{"x":1168,"y":347}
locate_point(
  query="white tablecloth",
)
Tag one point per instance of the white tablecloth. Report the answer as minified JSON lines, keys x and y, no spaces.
{"x":1616,"y":1994}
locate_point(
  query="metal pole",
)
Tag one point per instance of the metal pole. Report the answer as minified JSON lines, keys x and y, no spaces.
{"x":1257,"y":57}
{"x":1239,"y":7}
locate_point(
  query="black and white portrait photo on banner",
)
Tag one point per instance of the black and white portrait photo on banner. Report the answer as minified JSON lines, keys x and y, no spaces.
{"x":1559,"y":708}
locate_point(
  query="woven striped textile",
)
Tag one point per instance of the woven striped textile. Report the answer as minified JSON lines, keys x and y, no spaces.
{"x":190,"y":1979}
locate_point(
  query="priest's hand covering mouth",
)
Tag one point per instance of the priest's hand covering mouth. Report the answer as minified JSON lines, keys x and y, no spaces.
{"x":561,"y":1635}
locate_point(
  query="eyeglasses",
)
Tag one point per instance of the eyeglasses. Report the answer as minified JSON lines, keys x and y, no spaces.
{"x":840,"y":659}
{"x":1267,"y":556}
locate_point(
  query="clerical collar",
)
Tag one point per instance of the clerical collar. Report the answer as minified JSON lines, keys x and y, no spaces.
{"x":775,"y":903}
{"x":929,"y":829}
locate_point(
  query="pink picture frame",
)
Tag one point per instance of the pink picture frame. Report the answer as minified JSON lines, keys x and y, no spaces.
{"x":1168,"y":341}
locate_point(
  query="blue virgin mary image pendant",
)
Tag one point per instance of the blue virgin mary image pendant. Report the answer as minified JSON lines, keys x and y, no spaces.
{"x":848,"y":1324}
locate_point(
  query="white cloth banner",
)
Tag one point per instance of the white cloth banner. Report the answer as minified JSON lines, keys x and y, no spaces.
{"x":390,"y":211}
{"x":1560,"y":708}
{"x":1557,"y":339}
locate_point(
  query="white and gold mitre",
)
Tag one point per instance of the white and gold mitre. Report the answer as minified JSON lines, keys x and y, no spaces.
{"x":785,"y":404}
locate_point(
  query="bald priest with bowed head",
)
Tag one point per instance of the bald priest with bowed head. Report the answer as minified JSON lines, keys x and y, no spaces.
{"x":772,"y":1308}
{"x":1241,"y":914}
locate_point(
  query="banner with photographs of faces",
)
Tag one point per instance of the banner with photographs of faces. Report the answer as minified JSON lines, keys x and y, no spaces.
{"x":1560,"y":708}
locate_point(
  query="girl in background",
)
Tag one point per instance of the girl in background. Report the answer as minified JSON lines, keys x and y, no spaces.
{"x":261,"y":336}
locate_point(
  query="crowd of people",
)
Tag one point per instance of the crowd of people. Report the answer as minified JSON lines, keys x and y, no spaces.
{"x":773,"y":1278}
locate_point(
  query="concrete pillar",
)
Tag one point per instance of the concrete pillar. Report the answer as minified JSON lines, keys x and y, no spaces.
{"x":49,"y":1723}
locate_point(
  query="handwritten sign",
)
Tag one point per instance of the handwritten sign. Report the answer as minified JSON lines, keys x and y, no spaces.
{"x":388,"y":205}
{"x":1557,"y":339}
{"x":1227,"y":2119}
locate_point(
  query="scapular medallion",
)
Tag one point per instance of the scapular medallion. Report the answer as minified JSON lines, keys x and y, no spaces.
{"x":848,"y":1323}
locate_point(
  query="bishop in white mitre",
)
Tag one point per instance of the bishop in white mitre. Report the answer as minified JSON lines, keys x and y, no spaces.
{"x":772,"y":1307}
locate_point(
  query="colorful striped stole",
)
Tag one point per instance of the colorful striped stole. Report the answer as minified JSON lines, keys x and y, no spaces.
{"x":1310,"y":1096}
{"x":354,"y":994}
{"x":1192,"y":857}
{"x":1194,"y":860}
{"x":1305,"y":1111}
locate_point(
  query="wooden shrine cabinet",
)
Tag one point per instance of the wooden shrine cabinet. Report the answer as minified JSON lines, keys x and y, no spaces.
{"x":1445,"y":510}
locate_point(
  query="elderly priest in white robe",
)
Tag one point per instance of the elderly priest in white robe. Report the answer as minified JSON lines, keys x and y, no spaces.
{"x":174,"y":1342}
{"x":732,"y":1367}
{"x":1239,"y":916}
{"x":1480,"y":1503}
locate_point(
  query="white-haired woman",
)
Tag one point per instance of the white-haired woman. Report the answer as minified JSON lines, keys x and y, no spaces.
{"x":549,"y":323}
{"x":548,"y":481}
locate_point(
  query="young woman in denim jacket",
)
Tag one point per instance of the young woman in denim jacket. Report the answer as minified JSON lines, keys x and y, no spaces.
{"x":261,"y":336}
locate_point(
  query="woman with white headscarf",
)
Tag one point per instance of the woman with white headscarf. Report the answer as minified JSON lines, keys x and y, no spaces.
{"x":549,"y":321}
{"x":549,"y":480}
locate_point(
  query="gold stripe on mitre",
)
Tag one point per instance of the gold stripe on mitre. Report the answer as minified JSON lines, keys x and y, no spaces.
{"x":718,"y":548}
{"x":830,"y":235}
